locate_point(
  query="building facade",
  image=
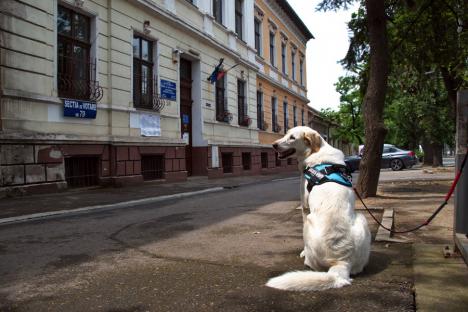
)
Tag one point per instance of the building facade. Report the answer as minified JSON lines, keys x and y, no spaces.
{"x":280,"y":40}
{"x":117,"y":92}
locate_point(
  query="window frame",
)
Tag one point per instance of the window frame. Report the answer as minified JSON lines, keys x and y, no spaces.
{"x":274,"y":113}
{"x":283,"y":58}
{"x":285,"y":116}
{"x":137,"y":64}
{"x":217,"y":6}
{"x":295,"y":116}
{"x":301,"y":71}
{"x":293,"y":65}
{"x":220,"y":107}
{"x":72,"y":64}
{"x":258,"y":36}
{"x":242,"y":103}
{"x":260,"y":121}
{"x":272,"y":48}
{"x":239,"y":18}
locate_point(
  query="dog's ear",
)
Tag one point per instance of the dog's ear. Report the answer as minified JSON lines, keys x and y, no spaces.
{"x":312,"y":140}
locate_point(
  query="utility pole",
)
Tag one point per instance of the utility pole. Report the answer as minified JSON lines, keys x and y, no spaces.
{"x":461,"y":192}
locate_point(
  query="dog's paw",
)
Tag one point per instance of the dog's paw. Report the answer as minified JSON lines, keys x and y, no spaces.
{"x":302,"y":254}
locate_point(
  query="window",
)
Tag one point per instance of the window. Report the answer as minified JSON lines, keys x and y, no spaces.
{"x":264,"y":159}
{"x":226,"y":159}
{"x":221,"y":112}
{"x":294,"y":116}
{"x":246,"y":161}
{"x":218,"y":10}
{"x":258,"y":36}
{"x":285,"y":116}
{"x":152,"y":167}
{"x":272,"y":48}
{"x":302,"y":117}
{"x":243,"y":118}
{"x":283,"y":57}
{"x":260,"y":121}
{"x":143,"y":81}
{"x":293,"y":65}
{"x":82,"y":171}
{"x":277,"y":160}
{"x":239,"y":18}
{"x":301,"y":71}
{"x":75,"y":68}
{"x":274,"y":116}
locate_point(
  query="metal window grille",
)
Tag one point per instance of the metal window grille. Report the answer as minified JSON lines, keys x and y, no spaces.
{"x":289,"y":161}
{"x":221,"y":102}
{"x":75,"y":68}
{"x":264,"y":159}
{"x":152,"y":167}
{"x":246,"y":161}
{"x":277,"y":160}
{"x":82,"y":171}
{"x":226,"y":159}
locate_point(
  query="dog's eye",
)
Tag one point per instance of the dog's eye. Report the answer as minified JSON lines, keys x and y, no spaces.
{"x":292,"y":137}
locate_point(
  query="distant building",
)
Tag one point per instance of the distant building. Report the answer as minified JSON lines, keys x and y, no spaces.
{"x":117,"y":92}
{"x":280,"y":41}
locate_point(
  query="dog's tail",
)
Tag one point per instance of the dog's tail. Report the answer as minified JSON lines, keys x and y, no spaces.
{"x":336,"y":277}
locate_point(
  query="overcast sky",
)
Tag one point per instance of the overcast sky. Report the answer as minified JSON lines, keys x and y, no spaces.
{"x":323,"y":52}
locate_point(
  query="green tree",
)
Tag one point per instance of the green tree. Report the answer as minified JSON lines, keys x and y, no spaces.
{"x":348,"y":116}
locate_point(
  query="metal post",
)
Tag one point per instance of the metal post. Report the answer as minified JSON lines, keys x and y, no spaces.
{"x":461,"y":192}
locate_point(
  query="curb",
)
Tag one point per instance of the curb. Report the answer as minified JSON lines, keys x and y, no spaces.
{"x":126,"y":204}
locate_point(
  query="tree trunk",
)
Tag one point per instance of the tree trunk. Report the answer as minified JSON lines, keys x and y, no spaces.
{"x":428,"y":153}
{"x":374,"y":100}
{"x":437,"y":156}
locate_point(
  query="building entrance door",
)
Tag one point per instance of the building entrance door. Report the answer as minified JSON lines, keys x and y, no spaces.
{"x":186,"y":110}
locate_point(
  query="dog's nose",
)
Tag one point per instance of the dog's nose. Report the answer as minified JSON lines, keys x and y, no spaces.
{"x":275,"y":145}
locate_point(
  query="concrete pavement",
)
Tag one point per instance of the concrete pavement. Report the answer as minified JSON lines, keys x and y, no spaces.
{"x":215,"y":252}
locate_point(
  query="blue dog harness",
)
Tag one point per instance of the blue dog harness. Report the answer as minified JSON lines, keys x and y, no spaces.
{"x":323,"y":173}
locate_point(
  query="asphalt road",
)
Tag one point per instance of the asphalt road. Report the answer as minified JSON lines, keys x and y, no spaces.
{"x":206,"y":253}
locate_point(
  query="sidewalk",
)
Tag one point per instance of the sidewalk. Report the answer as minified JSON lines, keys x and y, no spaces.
{"x":93,"y":197}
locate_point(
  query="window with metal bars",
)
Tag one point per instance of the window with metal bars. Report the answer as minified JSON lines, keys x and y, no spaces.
{"x":75,"y":68}
{"x":277,"y":160}
{"x":264,"y":159}
{"x":285,"y":117}
{"x":246,"y":161}
{"x":295,"y":116}
{"x":152,"y":167}
{"x":221,"y":111}
{"x":242,"y":105}
{"x":260,"y":121}
{"x":274,"y":116}
{"x":144,"y":84}
{"x":293,"y":65}
{"x":82,"y":171}
{"x":226,"y":159}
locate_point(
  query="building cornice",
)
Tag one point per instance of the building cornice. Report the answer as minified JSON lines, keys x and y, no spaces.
{"x":280,"y":14}
{"x":178,"y":22}
{"x":282,"y":87}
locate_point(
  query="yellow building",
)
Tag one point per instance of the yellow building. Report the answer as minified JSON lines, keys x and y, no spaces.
{"x":280,"y":40}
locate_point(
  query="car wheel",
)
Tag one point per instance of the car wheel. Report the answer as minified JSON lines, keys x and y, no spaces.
{"x":396,"y":164}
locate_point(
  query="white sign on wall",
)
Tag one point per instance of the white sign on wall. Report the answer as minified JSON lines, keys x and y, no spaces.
{"x":214,"y":156}
{"x":150,"y":125}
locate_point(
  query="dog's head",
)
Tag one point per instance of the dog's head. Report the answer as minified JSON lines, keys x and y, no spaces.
{"x":299,"y":142}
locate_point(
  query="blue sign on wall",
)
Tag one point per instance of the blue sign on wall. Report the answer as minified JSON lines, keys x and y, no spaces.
{"x":79,"y":109}
{"x":168,"y":90}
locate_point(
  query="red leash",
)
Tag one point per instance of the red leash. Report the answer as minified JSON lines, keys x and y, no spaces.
{"x":447,"y":197}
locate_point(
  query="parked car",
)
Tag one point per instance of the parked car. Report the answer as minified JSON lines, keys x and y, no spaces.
{"x":392,"y":157}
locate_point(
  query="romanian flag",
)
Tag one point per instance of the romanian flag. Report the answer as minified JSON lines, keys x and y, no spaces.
{"x":217,"y":73}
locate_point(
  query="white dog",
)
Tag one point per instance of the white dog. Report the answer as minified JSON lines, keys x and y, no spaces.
{"x":336,"y":239}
